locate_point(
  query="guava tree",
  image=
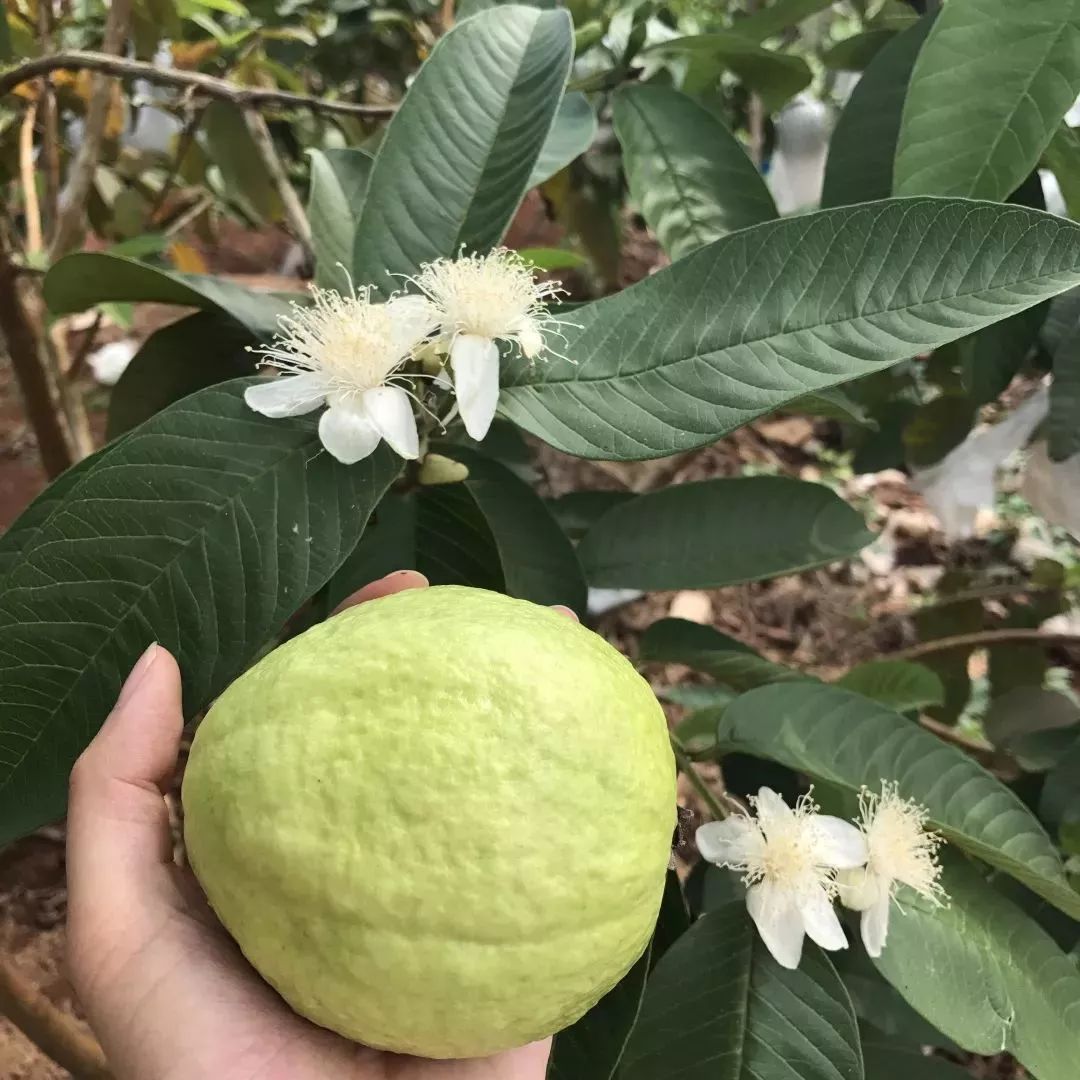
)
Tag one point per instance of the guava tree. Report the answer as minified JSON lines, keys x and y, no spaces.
{"x":229,"y":505}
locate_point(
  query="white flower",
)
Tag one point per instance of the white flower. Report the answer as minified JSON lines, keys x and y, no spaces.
{"x":899,"y":851}
{"x":344,"y":351}
{"x":789,"y":860}
{"x":480,"y":300}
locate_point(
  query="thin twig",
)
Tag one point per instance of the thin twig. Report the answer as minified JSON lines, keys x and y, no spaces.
{"x":242,"y":96}
{"x":980,"y":639}
{"x":290,"y":201}
{"x":183,"y":144}
{"x":47,"y":1027}
{"x":78,"y":361}
{"x":26,"y":178}
{"x":71,"y":218}
{"x":686,"y":765}
{"x":49,"y":120}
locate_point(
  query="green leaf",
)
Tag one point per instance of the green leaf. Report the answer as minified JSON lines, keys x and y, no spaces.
{"x":1062,"y":157}
{"x":551,"y":258}
{"x":339,"y":180}
{"x":886,"y":1061}
{"x":857,"y":53}
{"x":592,"y":1048}
{"x":248,"y":519}
{"x":718,"y":1007}
{"x":1059,"y":802}
{"x":845,"y":739}
{"x":86,"y":278}
{"x":832,"y":405}
{"x":571,"y":135}
{"x":689,"y":175}
{"x":1063,"y":422}
{"x":453,"y":543}
{"x":767,"y":22}
{"x":766,"y":315}
{"x":577,"y":511}
{"x":1027,"y":710}
{"x":988,"y":91}
{"x":174,"y":361}
{"x":458,"y":155}
{"x":673,"y":920}
{"x":897,"y":684}
{"x":232,"y":149}
{"x":720,"y":532}
{"x":538,"y":562}
{"x":987,"y":975}
{"x":678,"y":641}
{"x":776,"y":77}
{"x":863,"y":146}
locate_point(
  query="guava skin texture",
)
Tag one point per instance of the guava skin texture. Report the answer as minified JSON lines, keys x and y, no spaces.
{"x":438,"y":823}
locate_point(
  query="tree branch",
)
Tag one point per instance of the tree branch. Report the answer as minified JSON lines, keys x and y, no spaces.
{"x":981,"y":639}
{"x":290,"y":203}
{"x":47,"y":1027}
{"x":71,"y":216}
{"x":243,"y":96}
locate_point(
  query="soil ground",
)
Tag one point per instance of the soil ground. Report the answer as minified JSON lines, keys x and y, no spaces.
{"x":825,"y":620}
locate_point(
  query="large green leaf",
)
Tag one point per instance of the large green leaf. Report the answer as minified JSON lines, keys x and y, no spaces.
{"x":679,"y":641}
{"x":1063,"y":422}
{"x":775,"y":76}
{"x":232,"y":149}
{"x":688,"y":173}
{"x":457,"y":156}
{"x":1062,"y":157}
{"x":720,"y":532}
{"x":987,"y":975}
{"x":858,"y":52}
{"x":768,"y":21}
{"x":571,"y":135}
{"x":537,"y":559}
{"x":592,"y":1048}
{"x":846,"y":739}
{"x":248,"y":519}
{"x":197,"y":351}
{"x":86,"y":278}
{"x":718,"y":1007}
{"x":339,"y":180}
{"x":988,"y":91}
{"x":862,"y":148}
{"x":766,"y":315}
{"x":887,"y":1061}
{"x":897,"y":684}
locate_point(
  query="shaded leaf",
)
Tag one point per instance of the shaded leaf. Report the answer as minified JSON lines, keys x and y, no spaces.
{"x":1020,"y":63}
{"x":862,"y":148}
{"x":772,"y":19}
{"x":86,"y":278}
{"x":339,"y":180}
{"x":238,"y":499}
{"x":232,"y":149}
{"x":174,"y":361}
{"x":1063,"y":422}
{"x":718,"y":1007}
{"x":578,"y":511}
{"x":720,"y":532}
{"x":1062,"y":158}
{"x":766,"y":315}
{"x":847,"y":740}
{"x":988,"y":975}
{"x":459,"y":153}
{"x":897,"y":684}
{"x":856,"y":53}
{"x":1027,"y":710}
{"x":687,"y":172}
{"x":572,"y":133}
{"x":885,"y":1061}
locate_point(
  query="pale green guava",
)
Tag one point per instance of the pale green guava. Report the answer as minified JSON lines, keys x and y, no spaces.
{"x":438,"y":823}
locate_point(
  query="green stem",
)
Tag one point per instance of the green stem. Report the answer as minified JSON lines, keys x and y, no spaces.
{"x":686,"y":764}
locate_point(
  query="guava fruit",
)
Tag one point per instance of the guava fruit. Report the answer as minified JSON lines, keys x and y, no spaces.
{"x":438,"y":823}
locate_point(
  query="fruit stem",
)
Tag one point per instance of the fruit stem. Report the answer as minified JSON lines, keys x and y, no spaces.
{"x":686,"y":764}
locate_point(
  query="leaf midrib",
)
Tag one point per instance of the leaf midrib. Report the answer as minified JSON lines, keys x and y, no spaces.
{"x":50,"y":718}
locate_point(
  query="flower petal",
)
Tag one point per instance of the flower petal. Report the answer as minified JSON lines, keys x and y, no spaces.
{"x":778,"y":921}
{"x":475,"y":363}
{"x":286,"y":395}
{"x":841,"y":844}
{"x":860,"y":887}
{"x":414,"y":318}
{"x":347,"y":433}
{"x":875,"y":925}
{"x":771,"y":809}
{"x":389,"y":409}
{"x":729,"y":842}
{"x":820,"y":920}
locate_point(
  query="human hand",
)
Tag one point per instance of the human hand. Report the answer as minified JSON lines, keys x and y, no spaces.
{"x":165,"y":988}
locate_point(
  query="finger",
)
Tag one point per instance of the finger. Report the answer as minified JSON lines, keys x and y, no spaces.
{"x":118,"y":824}
{"x":398,"y":581}
{"x":562,"y":609}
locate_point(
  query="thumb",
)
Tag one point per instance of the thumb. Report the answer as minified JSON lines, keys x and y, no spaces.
{"x":118,"y":823}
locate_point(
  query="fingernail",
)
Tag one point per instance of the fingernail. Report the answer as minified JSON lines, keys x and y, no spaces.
{"x":138,"y":673}
{"x":420,"y":579}
{"x":562,"y":609}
